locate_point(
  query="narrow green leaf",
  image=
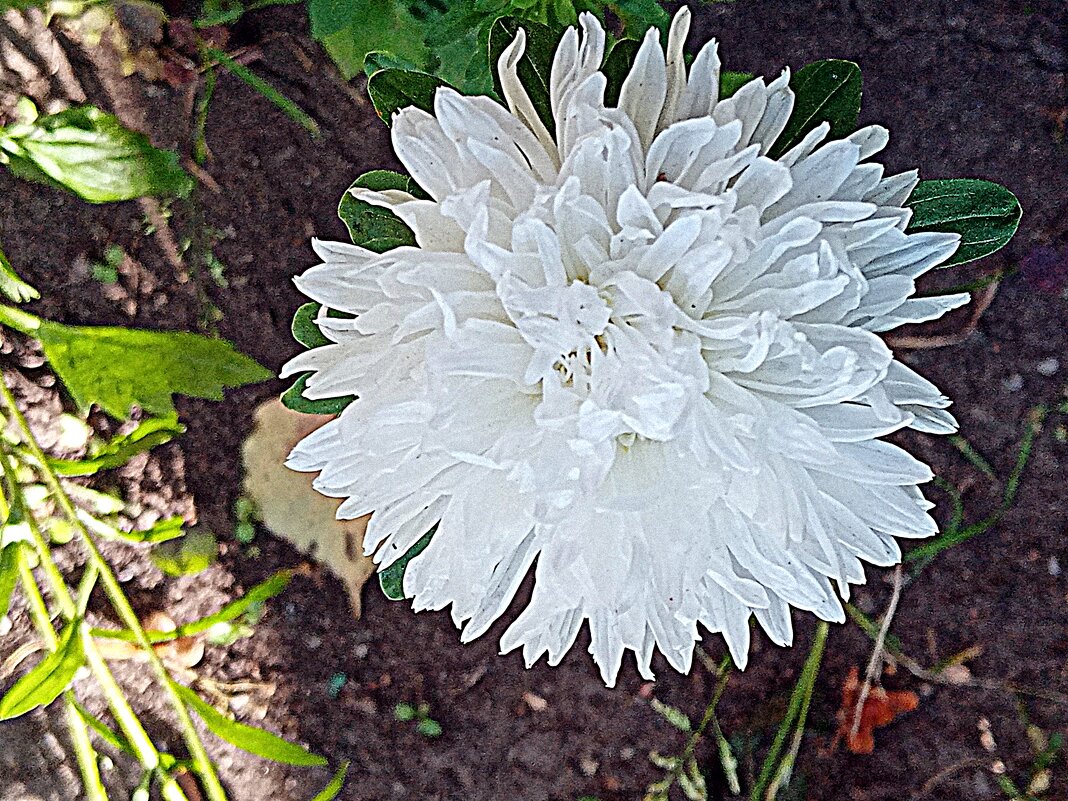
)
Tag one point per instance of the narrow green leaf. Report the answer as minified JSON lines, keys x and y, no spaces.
{"x":49,"y":677}
{"x":304,"y":329}
{"x":824,"y":91}
{"x":248,"y":738}
{"x":985,"y":215}
{"x":676,"y":717}
{"x":105,"y":732}
{"x":333,"y":787}
{"x":117,"y":368}
{"x":293,"y":398}
{"x":9,"y":574}
{"x":194,"y":552}
{"x":257,"y":595}
{"x":12,"y":286}
{"x":119,"y":450}
{"x":89,"y":152}
{"x":391,"y":90}
{"x":617,"y":66}
{"x":392,"y":578}
{"x":731,"y":82}
{"x":535,"y":65}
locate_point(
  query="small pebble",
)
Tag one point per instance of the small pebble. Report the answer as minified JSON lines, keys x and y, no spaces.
{"x":627,"y":753}
{"x":5,"y":625}
{"x":313,"y":641}
{"x":360,"y":651}
{"x":1054,"y":566}
{"x":1048,"y":367}
{"x":1014,"y":383}
{"x":337,"y":681}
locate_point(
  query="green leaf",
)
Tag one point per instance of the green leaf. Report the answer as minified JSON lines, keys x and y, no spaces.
{"x":89,"y":152}
{"x":985,"y":215}
{"x":374,"y":227}
{"x":351,"y":29}
{"x":824,"y":91}
{"x":9,"y":574}
{"x":12,"y":286}
{"x":731,"y":82}
{"x":248,"y":738}
{"x":117,"y":368}
{"x":392,"y":578}
{"x":119,"y":450}
{"x":533,"y":67}
{"x":49,"y":677}
{"x":194,"y":552}
{"x":391,"y":90}
{"x":617,"y":66}
{"x":333,"y":787}
{"x":293,"y":398}
{"x":428,"y":727}
{"x":637,"y":16}
{"x":304,"y":329}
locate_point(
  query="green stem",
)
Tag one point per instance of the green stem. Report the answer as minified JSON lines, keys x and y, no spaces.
{"x":84,"y":753}
{"x":765,"y":788}
{"x":201,"y":762}
{"x":21,"y":321}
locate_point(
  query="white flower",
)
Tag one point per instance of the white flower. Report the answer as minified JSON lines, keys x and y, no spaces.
{"x":639,"y":356}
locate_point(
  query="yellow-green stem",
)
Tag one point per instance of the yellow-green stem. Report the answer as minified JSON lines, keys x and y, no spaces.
{"x":84,"y":753}
{"x":201,"y":762}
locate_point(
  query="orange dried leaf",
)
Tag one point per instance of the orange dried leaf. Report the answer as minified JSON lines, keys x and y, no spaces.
{"x":880,"y":709}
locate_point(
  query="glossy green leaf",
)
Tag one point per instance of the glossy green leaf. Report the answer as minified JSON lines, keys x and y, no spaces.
{"x":12,"y":286}
{"x":118,"y":368}
{"x":194,"y":552}
{"x":48,"y":678}
{"x":824,"y":91}
{"x":374,"y":227}
{"x":392,"y":578}
{"x":120,"y":449}
{"x":304,"y":329}
{"x":248,"y":738}
{"x":90,"y":153}
{"x":985,"y":215}
{"x":333,"y":787}
{"x":9,"y":574}
{"x":293,"y":398}
{"x":391,"y":90}
{"x":535,"y":65}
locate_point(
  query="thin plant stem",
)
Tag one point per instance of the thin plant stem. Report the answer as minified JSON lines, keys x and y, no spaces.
{"x":84,"y":753}
{"x":127,"y":719}
{"x":871,"y":674}
{"x":796,"y":715}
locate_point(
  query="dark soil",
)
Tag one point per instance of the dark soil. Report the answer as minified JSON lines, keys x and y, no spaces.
{"x":967,"y":89}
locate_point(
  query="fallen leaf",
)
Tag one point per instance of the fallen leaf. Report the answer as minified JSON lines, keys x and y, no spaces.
{"x":291,"y":509}
{"x":880,"y":708}
{"x":184,"y":652}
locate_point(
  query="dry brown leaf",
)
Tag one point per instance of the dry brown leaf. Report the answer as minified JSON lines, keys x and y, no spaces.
{"x":183,"y":652}
{"x":288,"y":505}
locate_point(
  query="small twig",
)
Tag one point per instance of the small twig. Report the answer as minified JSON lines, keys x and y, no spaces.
{"x":944,"y":774}
{"x":983,"y":299}
{"x":871,"y":675}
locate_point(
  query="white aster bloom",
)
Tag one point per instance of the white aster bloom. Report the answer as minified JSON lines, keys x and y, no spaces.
{"x":638,"y":355}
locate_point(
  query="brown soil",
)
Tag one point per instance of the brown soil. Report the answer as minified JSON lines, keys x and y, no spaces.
{"x":975,"y":89}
